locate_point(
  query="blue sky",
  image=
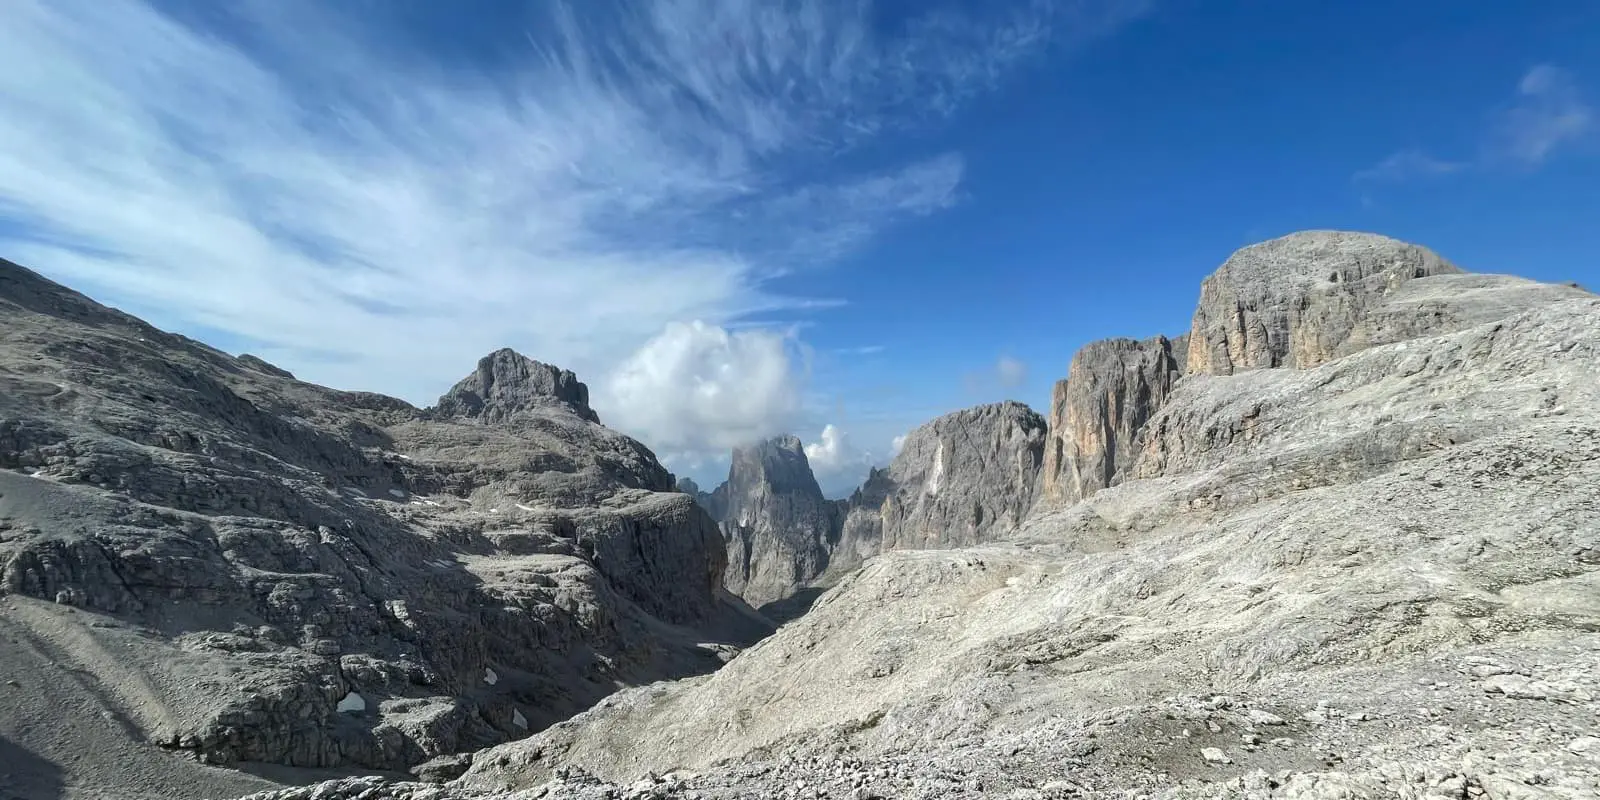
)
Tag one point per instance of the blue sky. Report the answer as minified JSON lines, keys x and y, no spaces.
{"x":740,"y":219}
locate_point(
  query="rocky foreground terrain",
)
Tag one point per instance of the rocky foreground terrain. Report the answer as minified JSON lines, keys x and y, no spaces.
{"x":1340,"y":540}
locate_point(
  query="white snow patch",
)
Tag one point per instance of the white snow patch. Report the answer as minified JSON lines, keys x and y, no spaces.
{"x":397,"y":493}
{"x":430,"y":502}
{"x":352,"y":704}
{"x":490,"y":677}
{"x":353,"y":490}
{"x":523,"y":507}
{"x":518,"y":720}
{"x":938,"y":471}
{"x":494,"y":511}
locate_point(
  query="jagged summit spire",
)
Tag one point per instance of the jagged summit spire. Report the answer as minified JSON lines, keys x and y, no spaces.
{"x":507,"y":382}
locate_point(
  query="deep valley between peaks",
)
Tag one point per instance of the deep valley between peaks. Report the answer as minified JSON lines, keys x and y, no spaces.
{"x":1337,"y":539}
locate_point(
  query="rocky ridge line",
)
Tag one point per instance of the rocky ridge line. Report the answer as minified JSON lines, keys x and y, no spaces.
{"x":253,"y":568}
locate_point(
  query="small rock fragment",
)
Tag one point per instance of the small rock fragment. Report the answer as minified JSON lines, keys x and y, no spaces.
{"x":1260,"y":717}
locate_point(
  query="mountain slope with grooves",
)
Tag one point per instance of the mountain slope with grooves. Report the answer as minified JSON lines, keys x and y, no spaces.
{"x":316,"y":578}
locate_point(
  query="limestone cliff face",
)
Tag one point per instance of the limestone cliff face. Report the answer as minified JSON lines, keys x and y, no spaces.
{"x":1112,"y":388}
{"x":778,"y":528}
{"x":1300,"y":300}
{"x":1221,"y":421}
{"x":964,"y":478}
{"x":861,"y":522}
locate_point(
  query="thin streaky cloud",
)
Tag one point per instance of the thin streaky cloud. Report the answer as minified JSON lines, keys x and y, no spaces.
{"x":373,"y":219}
{"x":1406,"y":165}
{"x":1549,"y":112}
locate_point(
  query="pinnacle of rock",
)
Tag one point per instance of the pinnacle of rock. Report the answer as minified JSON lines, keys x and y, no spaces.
{"x":506,"y":383}
{"x":1112,"y":388}
{"x":964,"y":477}
{"x":777,"y":525}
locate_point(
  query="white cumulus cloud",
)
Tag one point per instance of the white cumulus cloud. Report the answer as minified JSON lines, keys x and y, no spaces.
{"x":832,"y":452}
{"x":839,"y":465}
{"x":698,"y":390}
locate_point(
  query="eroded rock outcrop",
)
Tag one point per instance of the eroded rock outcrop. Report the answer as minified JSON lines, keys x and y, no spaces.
{"x":1112,"y":388}
{"x":1294,"y":302}
{"x":778,"y":527}
{"x":861,"y":521}
{"x":255,"y":568}
{"x":964,"y":478}
{"x":506,"y":382}
{"x":1299,"y":300}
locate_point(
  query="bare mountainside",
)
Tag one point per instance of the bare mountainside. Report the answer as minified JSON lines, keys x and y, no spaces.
{"x":1366,"y":570}
{"x":203,"y":554}
{"x":964,"y":478}
{"x":1341,"y":541}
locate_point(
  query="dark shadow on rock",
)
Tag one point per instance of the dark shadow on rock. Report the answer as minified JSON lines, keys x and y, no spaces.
{"x":792,"y":607}
{"x":26,"y":776}
{"x":305,"y":776}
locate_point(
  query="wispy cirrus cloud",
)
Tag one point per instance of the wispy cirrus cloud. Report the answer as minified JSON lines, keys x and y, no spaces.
{"x":1406,"y":165}
{"x":1547,"y":113}
{"x":861,"y":350}
{"x":377,"y":216}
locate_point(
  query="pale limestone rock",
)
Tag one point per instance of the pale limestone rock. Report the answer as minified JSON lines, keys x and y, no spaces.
{"x":246,"y":555}
{"x":1112,"y":388}
{"x":777,"y":526}
{"x":1300,"y":300}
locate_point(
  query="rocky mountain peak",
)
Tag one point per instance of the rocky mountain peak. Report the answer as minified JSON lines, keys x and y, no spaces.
{"x":776,"y":524}
{"x":1299,"y":300}
{"x":506,"y":383}
{"x":1112,"y":388}
{"x":964,"y":477}
{"x":779,"y":462}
